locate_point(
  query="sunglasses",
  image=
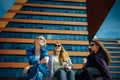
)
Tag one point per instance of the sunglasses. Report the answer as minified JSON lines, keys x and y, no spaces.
{"x":40,"y":38}
{"x":92,"y":44}
{"x":57,"y":45}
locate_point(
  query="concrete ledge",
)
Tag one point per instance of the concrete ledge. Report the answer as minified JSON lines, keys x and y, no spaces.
{"x":23,"y":78}
{"x":48,"y":78}
{"x":99,"y":78}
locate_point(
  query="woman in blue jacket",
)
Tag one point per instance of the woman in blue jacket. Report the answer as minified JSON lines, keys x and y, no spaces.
{"x":38,"y":59}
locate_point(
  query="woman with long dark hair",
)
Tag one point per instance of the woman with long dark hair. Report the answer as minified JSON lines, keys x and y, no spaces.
{"x":97,"y":63}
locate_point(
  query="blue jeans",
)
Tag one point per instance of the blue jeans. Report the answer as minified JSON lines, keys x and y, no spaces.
{"x":38,"y":76}
{"x":37,"y":72}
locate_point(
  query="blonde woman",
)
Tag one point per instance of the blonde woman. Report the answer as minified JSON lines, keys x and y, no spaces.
{"x":38,"y":59}
{"x":60,"y":64}
{"x":97,"y":63}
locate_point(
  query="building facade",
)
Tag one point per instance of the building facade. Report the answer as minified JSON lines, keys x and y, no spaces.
{"x":62,"y":21}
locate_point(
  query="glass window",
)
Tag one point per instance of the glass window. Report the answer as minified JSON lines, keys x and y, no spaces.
{"x":115,"y":75}
{"x":47,"y":36}
{"x":53,"y":10}
{"x":11,"y":72}
{"x":115,"y":64}
{"x":46,"y":26}
{"x":115,"y":54}
{"x":13,"y":58}
{"x":57,"y":18}
{"x":57,"y":2}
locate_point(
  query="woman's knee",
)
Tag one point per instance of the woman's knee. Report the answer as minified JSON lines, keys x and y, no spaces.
{"x":71,"y":72}
{"x":88,"y":72}
{"x":79,"y":74}
{"x":62,"y":72}
{"x":71,"y":75}
{"x":86,"y":69}
{"x":92,"y":71}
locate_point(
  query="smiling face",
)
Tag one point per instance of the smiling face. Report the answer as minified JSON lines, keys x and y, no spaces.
{"x":57,"y":47}
{"x":40,"y":41}
{"x":94,"y":47}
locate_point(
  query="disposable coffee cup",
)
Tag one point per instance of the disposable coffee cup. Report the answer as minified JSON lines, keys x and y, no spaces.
{"x":64,"y":62}
{"x":84,"y":60}
{"x":47,"y":59}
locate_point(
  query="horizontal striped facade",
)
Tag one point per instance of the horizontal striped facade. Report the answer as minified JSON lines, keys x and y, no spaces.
{"x":62,"y":21}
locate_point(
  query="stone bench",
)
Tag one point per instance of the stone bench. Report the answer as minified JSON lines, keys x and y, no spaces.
{"x":99,"y":78}
{"x":23,"y":78}
{"x":48,"y":78}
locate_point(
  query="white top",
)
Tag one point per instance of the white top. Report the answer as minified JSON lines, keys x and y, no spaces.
{"x":37,"y":57}
{"x":56,"y":64}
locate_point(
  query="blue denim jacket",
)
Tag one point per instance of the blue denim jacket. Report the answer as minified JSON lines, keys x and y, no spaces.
{"x":31,"y":54}
{"x":32,"y":61}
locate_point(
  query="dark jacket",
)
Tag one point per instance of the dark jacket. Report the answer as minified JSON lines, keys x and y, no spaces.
{"x":101,"y":64}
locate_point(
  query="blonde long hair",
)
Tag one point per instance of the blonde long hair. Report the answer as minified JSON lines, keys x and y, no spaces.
{"x":104,"y":50}
{"x":63,"y":56}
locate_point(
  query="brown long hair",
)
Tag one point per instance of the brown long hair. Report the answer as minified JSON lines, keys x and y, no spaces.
{"x":104,"y":50}
{"x":63,"y":55}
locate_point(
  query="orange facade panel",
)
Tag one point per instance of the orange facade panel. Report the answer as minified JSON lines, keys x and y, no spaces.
{"x":77,"y":66}
{"x":114,"y":72}
{"x":73,"y":0}
{"x":23,"y":65}
{"x":43,"y":31}
{"x":115,"y":56}
{"x":44,"y":21}
{"x":9,"y":15}
{"x":12,"y":52}
{"x":13,"y":65}
{"x":16,"y":7}
{"x":112,"y":52}
{"x":21,"y":40}
{"x":114,"y":66}
{"x":108,"y":43}
{"x":113,"y":47}
{"x":3,"y":23}
{"x":51,"y":6}
{"x":23,"y":52}
{"x":115,"y":61}
{"x":21,"y":1}
{"x":68,"y":42}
